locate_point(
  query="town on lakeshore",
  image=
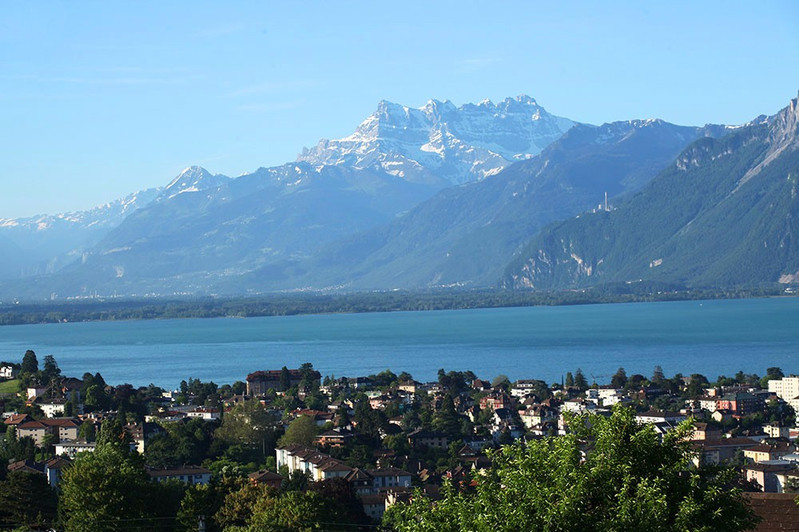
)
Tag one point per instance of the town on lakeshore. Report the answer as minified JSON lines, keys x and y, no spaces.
{"x":347,"y":450}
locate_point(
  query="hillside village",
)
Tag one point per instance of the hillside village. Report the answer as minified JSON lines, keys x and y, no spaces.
{"x":375,"y":438}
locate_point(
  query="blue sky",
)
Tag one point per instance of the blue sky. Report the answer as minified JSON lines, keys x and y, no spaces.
{"x":99,"y":99}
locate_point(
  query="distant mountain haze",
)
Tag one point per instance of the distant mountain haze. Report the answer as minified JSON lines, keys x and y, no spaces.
{"x":478,"y":195}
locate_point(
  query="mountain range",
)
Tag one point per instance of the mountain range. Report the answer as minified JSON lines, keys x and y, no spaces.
{"x":723,"y":213}
{"x":479,"y":195}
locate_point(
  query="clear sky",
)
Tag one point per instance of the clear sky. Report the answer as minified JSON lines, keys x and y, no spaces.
{"x":100,"y":99}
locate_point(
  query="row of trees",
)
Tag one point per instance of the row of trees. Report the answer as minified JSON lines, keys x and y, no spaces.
{"x":110,"y":490}
{"x":292,"y":304}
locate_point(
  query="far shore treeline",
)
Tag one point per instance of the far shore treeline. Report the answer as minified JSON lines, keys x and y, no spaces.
{"x":109,"y":309}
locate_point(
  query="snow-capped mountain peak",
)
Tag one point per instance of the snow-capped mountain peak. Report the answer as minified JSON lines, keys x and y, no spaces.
{"x":193,"y":179}
{"x":458,"y":144}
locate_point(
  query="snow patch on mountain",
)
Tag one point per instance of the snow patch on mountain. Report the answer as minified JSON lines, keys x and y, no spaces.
{"x":459,"y":144}
{"x":193,"y":179}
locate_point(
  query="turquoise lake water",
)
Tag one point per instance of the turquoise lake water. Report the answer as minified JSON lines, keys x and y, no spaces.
{"x":708,"y":337}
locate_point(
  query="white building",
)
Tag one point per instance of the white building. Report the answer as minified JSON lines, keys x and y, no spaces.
{"x":8,"y":372}
{"x":787,"y":389}
{"x":204,"y":413}
{"x":72,"y":448}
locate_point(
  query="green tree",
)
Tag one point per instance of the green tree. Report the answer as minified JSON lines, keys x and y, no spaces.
{"x":368,"y":420}
{"x":657,"y":376}
{"x":95,"y":398}
{"x":180,"y":443}
{"x":446,"y":419}
{"x":619,"y":379}
{"x":610,"y":474}
{"x":285,"y":379}
{"x":569,"y":382}
{"x":29,"y":363}
{"x":773,"y":373}
{"x":302,"y":430}
{"x":501,"y":381}
{"x":579,"y":380}
{"x":206,"y":500}
{"x":113,"y":434}
{"x":27,"y":499}
{"x":87,"y":431}
{"x":251,"y":425}
{"x":51,"y":370}
{"x":105,"y":490}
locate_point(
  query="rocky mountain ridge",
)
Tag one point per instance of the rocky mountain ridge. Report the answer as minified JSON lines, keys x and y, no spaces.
{"x":442,"y":141}
{"x":724,"y":213}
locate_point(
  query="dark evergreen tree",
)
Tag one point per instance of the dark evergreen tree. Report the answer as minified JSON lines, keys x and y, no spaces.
{"x":29,"y":363}
{"x":446,"y":419}
{"x":619,"y":379}
{"x":579,"y":380}
{"x":26,"y":499}
{"x":657,"y":376}
{"x":51,"y":370}
{"x":285,"y":379}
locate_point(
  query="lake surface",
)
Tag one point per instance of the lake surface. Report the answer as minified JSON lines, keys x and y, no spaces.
{"x":709,"y":337}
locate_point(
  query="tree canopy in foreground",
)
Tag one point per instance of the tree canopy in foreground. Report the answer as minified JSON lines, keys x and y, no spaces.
{"x":609,"y":474}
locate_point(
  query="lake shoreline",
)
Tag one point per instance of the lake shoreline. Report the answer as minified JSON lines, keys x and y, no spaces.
{"x":357,"y":303}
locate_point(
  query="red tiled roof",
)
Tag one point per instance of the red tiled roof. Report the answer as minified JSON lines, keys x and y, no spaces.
{"x":779,"y":511}
{"x":31,"y":425}
{"x":16,"y":419}
{"x":57,"y":463}
{"x":60,"y":422}
{"x":264,"y":475}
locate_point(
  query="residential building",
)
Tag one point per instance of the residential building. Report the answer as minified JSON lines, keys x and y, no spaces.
{"x":334,"y":438}
{"x":26,"y":465}
{"x":266,"y":478}
{"x":204,"y":412}
{"x":389,"y":478}
{"x":703,"y":431}
{"x":428,"y":438}
{"x":768,"y":451}
{"x":778,"y":511}
{"x":741,"y":403}
{"x":8,"y":372}
{"x":722,"y":450}
{"x":189,"y":474}
{"x":36,"y":391}
{"x":72,"y":448}
{"x":786,"y":388}
{"x":495,"y":401}
{"x":15,"y":420}
{"x":522,"y":388}
{"x":53,"y":469}
{"x":409,"y":386}
{"x":766,"y":474}
{"x":318,"y":465}
{"x":259,"y":382}
{"x":775,"y":430}
{"x":655,"y":416}
{"x":64,"y":429}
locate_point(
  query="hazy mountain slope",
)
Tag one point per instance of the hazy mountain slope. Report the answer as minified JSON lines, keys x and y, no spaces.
{"x":43,"y":244}
{"x":204,"y":231}
{"x":195,"y":240}
{"x":468,"y":234}
{"x":725,"y":213}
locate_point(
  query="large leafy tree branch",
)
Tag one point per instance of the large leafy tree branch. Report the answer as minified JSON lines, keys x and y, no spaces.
{"x":607,"y":474}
